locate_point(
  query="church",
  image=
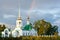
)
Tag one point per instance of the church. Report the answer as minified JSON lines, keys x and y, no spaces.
{"x":19,"y":30}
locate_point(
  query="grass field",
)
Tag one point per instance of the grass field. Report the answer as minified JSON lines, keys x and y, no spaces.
{"x":32,"y":38}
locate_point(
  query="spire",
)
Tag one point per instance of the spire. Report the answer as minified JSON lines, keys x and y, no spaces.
{"x":19,"y":17}
{"x":28,"y":20}
{"x":19,"y":13}
{"x":19,"y":9}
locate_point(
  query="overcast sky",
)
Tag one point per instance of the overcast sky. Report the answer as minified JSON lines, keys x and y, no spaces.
{"x":37,"y":9}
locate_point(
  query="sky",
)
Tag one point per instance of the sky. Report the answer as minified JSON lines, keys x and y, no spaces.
{"x":36,"y":9}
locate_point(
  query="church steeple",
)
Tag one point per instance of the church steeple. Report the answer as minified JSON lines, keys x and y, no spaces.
{"x":19,"y":20}
{"x":19,"y":16}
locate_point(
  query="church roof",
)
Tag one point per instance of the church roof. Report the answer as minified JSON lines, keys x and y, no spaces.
{"x":28,"y":27}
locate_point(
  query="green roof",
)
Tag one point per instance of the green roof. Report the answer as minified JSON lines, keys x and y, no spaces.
{"x":28,"y":27}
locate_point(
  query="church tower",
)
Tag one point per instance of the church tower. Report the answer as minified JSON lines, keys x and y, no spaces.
{"x":17,"y":32}
{"x":19,"y":20}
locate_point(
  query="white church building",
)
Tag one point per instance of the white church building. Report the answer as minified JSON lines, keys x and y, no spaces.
{"x":19,"y":30}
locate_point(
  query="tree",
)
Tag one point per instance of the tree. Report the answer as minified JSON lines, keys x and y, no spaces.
{"x":45,"y":28}
{"x":55,"y":30}
{"x":2,"y":27}
{"x":39,"y":26}
{"x":52,"y":30}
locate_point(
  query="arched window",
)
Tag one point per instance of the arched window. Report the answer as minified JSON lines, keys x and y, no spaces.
{"x":6,"y":33}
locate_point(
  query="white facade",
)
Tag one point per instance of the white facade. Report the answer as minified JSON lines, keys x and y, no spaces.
{"x":6,"y":33}
{"x":29,"y":33}
{"x":17,"y":32}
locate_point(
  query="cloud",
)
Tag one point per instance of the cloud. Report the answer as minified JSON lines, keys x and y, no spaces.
{"x":7,"y":16}
{"x":56,"y":16}
{"x":57,"y":22}
{"x":41,"y":12}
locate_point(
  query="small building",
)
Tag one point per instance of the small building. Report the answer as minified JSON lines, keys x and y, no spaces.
{"x":6,"y":33}
{"x":29,"y":31}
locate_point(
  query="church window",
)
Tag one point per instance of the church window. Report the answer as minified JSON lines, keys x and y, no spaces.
{"x":6,"y":33}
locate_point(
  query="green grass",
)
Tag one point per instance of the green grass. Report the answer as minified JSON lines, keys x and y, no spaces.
{"x":31,"y":38}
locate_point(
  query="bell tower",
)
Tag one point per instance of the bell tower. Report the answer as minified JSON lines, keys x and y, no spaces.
{"x":19,"y":20}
